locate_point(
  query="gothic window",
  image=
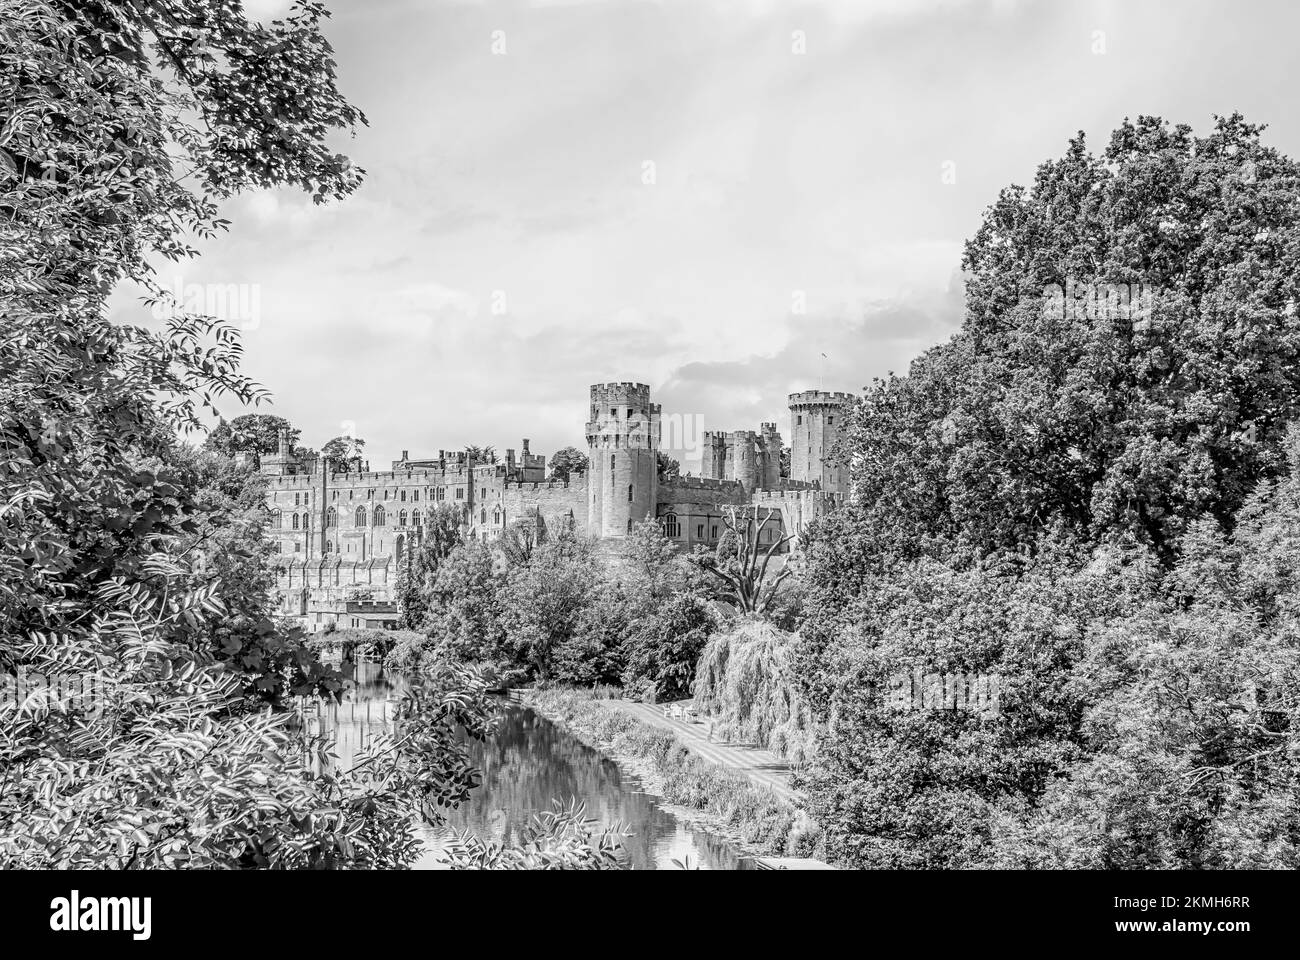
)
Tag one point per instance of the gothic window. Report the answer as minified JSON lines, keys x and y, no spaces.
{"x":331,"y":517}
{"x":379,"y":515}
{"x":401,"y":518}
{"x":496,"y":516}
{"x":403,"y":496}
{"x":482,"y":493}
{"x":482,"y":516}
{"x":276,"y":520}
{"x":629,"y":493}
{"x":415,"y":519}
{"x":295,"y":499}
{"x":361,"y":516}
{"x":670,"y":525}
{"x":415,"y":496}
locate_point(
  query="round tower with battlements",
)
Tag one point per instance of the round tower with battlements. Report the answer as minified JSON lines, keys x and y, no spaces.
{"x":816,"y":423}
{"x":622,"y":442}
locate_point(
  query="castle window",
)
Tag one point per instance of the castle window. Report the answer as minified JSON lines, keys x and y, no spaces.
{"x":295,"y":500}
{"x":276,"y":520}
{"x":629,"y":524}
{"x":670,"y":525}
{"x":297,"y":548}
{"x":714,"y":534}
{"x":361,"y":516}
{"x":496,"y":516}
{"x":401,"y":519}
{"x":415,"y":519}
{"x":460,"y":493}
{"x":482,"y":493}
{"x":295,"y":521}
{"x":482,"y":516}
{"x":379,"y":515}
{"x":331,"y":517}
{"x":403,"y":496}
{"x":629,"y":413}
{"x":829,"y":421}
{"x":629,"y":493}
{"x":699,"y":531}
{"x":415,"y":496}
{"x":799,"y":419}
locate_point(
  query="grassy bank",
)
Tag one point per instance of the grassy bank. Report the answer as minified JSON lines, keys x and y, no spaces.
{"x":756,"y":815}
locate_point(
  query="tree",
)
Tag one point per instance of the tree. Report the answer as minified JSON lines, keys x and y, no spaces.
{"x":669,"y":469}
{"x":255,"y":433}
{"x":1067,"y":398}
{"x":542,"y":601}
{"x":441,"y":534}
{"x":341,"y":453}
{"x":741,"y":559}
{"x":1055,"y":499}
{"x":566,"y":462}
{"x":481,"y":454}
{"x":132,"y":744}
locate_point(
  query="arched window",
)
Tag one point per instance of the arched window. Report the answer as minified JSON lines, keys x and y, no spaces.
{"x":415,"y":518}
{"x":331,"y":517}
{"x":415,"y":496}
{"x":379,"y":515}
{"x":401,"y":517}
{"x":496,"y":516}
{"x":482,"y":515}
{"x":629,"y":493}
{"x":671,"y":529}
{"x":403,"y":496}
{"x":361,"y":516}
{"x":401,"y":546}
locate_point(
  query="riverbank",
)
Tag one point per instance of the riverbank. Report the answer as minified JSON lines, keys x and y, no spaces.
{"x":753,"y":816}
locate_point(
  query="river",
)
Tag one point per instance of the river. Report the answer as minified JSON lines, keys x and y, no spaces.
{"x":528,"y":763}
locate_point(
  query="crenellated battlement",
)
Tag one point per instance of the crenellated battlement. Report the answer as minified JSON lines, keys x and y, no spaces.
{"x":819,"y":398}
{"x":623,"y":394}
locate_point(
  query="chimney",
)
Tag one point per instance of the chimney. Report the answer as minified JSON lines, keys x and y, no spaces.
{"x":406,"y":455}
{"x":525,"y":446}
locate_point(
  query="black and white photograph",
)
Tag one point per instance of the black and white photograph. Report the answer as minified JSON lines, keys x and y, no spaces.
{"x":858,"y":439}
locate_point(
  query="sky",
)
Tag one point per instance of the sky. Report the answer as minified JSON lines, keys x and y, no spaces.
{"x":702,"y":195}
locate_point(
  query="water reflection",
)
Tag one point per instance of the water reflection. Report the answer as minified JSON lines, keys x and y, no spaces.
{"x":528,"y":763}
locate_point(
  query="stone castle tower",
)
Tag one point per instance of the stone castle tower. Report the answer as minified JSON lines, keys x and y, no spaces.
{"x":816,"y":423}
{"x":623,"y":443}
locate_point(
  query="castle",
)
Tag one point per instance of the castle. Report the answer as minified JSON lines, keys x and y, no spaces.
{"x":341,"y":535}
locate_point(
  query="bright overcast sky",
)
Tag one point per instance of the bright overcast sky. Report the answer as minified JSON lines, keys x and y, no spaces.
{"x":777,"y":175}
